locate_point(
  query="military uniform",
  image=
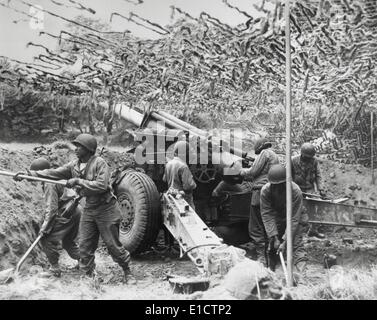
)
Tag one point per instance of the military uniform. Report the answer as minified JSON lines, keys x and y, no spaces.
{"x":101,"y":214}
{"x":306,"y":174}
{"x":63,"y":231}
{"x":273,"y":211}
{"x":178,"y":176}
{"x":258,"y":175}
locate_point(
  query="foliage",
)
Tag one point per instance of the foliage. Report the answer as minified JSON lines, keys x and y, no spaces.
{"x":202,"y":66}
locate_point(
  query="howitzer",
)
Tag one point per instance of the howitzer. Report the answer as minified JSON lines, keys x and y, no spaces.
{"x":145,"y":206}
{"x":158,"y":130}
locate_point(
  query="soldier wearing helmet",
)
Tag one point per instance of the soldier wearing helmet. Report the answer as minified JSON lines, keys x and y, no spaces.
{"x":273,"y":211}
{"x":177,"y":174}
{"x":266,"y":157}
{"x":307,"y":175}
{"x":101,"y":215}
{"x":57,"y":231}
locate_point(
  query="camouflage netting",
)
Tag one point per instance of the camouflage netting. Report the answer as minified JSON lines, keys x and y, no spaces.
{"x":208,"y":72}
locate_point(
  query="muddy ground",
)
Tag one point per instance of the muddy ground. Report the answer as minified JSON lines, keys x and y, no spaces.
{"x":21,"y":206}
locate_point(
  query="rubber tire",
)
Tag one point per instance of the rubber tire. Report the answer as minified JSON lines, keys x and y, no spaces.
{"x":147,"y":219}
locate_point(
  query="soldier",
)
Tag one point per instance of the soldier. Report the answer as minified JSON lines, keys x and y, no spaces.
{"x":101,"y":214}
{"x":177,"y":173}
{"x":306,"y":174}
{"x":258,"y":175}
{"x":58,"y":231}
{"x":273,"y":210}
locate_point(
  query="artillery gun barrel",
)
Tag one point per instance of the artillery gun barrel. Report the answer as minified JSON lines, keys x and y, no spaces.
{"x":134,"y":117}
{"x":152,"y":120}
{"x":170,"y":123}
{"x":179,"y":124}
{"x":183,"y":124}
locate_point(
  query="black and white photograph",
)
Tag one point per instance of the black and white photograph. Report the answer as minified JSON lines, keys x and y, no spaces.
{"x":188,"y":154}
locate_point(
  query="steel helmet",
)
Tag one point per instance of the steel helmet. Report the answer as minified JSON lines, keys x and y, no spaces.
{"x":261,"y":144}
{"x":40,"y":164}
{"x":308,"y":150}
{"x":276,"y":174}
{"x":87,"y":141}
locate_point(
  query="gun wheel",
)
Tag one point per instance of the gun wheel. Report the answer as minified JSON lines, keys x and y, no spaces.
{"x":139,"y":203}
{"x":203,"y":173}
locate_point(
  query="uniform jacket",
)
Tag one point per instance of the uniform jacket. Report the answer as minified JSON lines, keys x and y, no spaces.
{"x":305,"y":174}
{"x":273,"y":209}
{"x":178,"y":176}
{"x":94,"y":179}
{"x":262,"y":164}
{"x":55,"y":196}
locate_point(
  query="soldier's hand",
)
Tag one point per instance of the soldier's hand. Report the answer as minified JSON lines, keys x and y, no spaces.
{"x":17,"y":177}
{"x":274,"y":244}
{"x":42,"y":231}
{"x":242,"y":172}
{"x":72,"y":182}
{"x":282,"y":248}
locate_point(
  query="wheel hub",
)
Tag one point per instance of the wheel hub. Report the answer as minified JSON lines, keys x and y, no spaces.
{"x":204,"y":173}
{"x":127,"y":211}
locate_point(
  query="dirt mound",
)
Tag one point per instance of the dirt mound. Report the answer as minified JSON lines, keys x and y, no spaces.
{"x":21,"y":203}
{"x":20,"y":209}
{"x":347,"y":180}
{"x":352,"y":247}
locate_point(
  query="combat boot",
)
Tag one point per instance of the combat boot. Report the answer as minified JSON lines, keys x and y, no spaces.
{"x":77,"y":266}
{"x":128,"y":276}
{"x":261,"y":258}
{"x":315,"y":233}
{"x":53,"y":271}
{"x":126,"y":270}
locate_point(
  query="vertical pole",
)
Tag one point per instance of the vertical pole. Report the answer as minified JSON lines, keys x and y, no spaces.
{"x":372,"y":146}
{"x":288,"y":143}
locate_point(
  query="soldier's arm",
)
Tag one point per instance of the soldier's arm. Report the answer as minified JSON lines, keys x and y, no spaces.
{"x":293,"y":169}
{"x":101,"y":182}
{"x":61,"y":173}
{"x":297,"y":204}
{"x":257,"y":167}
{"x":318,"y":176}
{"x":188,"y":183}
{"x":165,"y":178}
{"x":51,"y":198}
{"x":268,"y":215}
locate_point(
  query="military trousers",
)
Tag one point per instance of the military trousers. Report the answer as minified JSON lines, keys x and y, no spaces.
{"x":299,"y":252}
{"x":257,"y":232}
{"x":62,"y":236}
{"x":101,"y":221}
